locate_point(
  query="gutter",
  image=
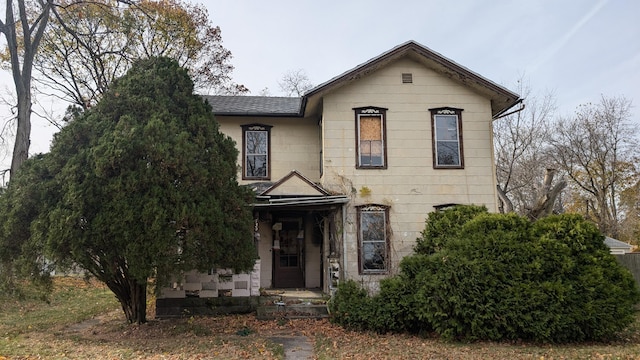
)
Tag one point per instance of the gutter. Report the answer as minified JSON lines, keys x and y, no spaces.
{"x":502,"y":114}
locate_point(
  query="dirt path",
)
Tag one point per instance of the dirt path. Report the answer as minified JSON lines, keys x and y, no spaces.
{"x":86,"y":325}
{"x":295,"y":347}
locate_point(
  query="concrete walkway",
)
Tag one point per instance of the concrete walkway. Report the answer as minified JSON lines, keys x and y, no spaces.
{"x":295,"y":347}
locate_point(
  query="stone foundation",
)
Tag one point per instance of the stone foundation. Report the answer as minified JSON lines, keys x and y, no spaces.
{"x":218,"y":283}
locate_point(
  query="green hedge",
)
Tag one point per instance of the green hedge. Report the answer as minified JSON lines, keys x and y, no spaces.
{"x":500,"y":277}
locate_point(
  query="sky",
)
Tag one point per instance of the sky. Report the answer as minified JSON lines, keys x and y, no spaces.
{"x":579,"y":50}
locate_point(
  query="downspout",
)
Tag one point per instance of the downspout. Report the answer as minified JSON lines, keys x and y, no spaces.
{"x":344,"y":243}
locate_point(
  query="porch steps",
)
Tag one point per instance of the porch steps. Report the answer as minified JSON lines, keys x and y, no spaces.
{"x":292,"y":304}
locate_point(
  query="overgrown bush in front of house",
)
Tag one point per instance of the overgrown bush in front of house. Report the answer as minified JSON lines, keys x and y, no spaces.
{"x":485,"y":282}
{"x":501,"y":277}
{"x":351,"y":306}
{"x":602,"y":295}
{"x":441,"y":226}
{"x":393,"y":309}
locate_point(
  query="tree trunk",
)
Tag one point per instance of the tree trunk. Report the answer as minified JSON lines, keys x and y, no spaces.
{"x":22,"y":52}
{"x":548,"y":195}
{"x":506,"y":206}
{"x":23,"y":131}
{"x":133,"y":299}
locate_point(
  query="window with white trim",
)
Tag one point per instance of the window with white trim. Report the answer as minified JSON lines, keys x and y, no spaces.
{"x":373,"y":236}
{"x":256,"y":151}
{"x":446,"y":126}
{"x":371,"y":138}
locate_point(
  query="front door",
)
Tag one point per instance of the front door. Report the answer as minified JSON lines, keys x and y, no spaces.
{"x":288,"y":259}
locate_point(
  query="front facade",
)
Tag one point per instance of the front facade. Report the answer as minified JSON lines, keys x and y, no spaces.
{"x":346,"y":174}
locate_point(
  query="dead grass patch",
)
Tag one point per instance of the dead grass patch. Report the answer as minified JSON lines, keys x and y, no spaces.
{"x":107,"y":336}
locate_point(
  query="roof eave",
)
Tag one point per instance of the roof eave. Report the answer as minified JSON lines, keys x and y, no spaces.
{"x":261,"y":114}
{"x":501,"y":98}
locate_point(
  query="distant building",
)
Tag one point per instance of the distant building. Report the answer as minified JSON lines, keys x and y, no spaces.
{"x":618,"y":247}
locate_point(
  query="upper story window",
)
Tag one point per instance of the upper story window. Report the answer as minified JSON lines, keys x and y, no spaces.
{"x":371,"y":152}
{"x":446,"y":128}
{"x":373,"y":236}
{"x":256,"y":149}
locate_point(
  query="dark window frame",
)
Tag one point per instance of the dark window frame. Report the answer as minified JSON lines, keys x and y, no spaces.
{"x":373,"y":208}
{"x":446,"y":111}
{"x":371,"y":111}
{"x":262,"y":128}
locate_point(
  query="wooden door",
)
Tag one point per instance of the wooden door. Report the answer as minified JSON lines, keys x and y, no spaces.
{"x":289,"y":259}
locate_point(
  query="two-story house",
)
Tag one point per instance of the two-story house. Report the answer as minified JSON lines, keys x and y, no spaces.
{"x":346,"y":174}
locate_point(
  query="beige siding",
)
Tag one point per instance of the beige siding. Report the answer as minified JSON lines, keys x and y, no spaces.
{"x":410,"y":185}
{"x":265,"y":254}
{"x":295,"y":144}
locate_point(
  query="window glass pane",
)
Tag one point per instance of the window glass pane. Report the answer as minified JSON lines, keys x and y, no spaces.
{"x":374,"y":256}
{"x":446,"y":127}
{"x":372,"y":225}
{"x":373,"y":237}
{"x":256,"y":142}
{"x":371,"y":152}
{"x":448,"y":153}
{"x":256,"y":166}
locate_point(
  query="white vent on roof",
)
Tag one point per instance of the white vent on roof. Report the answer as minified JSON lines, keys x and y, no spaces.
{"x":407,"y":78}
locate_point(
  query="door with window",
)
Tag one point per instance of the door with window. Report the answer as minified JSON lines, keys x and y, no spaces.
{"x":288,"y":256}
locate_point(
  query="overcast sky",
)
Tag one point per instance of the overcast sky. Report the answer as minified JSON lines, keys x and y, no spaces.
{"x":578,"y":51}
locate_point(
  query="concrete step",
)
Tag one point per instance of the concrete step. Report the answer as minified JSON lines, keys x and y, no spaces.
{"x":292,"y":304}
{"x":293,"y":311}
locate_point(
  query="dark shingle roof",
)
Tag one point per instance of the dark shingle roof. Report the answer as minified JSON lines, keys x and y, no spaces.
{"x":255,"y":105}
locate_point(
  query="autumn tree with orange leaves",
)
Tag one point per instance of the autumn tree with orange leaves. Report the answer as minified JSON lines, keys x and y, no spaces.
{"x":92,"y":43}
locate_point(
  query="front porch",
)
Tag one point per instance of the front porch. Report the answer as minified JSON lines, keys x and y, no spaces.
{"x":296,"y":235}
{"x":297,"y":244}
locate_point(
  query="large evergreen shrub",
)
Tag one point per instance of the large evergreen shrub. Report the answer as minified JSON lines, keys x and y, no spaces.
{"x":351,"y":306}
{"x":481,"y":276}
{"x":505,"y":278}
{"x":602,"y":294}
{"x":440,"y":226}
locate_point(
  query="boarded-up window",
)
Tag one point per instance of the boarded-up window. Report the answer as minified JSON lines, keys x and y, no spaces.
{"x":371,"y":138}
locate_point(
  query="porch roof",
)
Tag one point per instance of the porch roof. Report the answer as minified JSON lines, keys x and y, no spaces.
{"x":300,"y":202}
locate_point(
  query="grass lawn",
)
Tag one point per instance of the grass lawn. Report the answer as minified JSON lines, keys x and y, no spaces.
{"x":84,"y":321}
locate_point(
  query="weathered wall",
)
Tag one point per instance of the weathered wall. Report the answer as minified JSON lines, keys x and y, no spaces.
{"x":410,"y":185}
{"x":295,"y":144}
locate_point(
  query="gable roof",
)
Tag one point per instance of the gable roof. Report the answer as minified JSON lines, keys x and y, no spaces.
{"x":295,"y":191}
{"x":617,"y":244}
{"x":501,"y":98}
{"x":294,"y":184}
{"x":254,"y":105}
